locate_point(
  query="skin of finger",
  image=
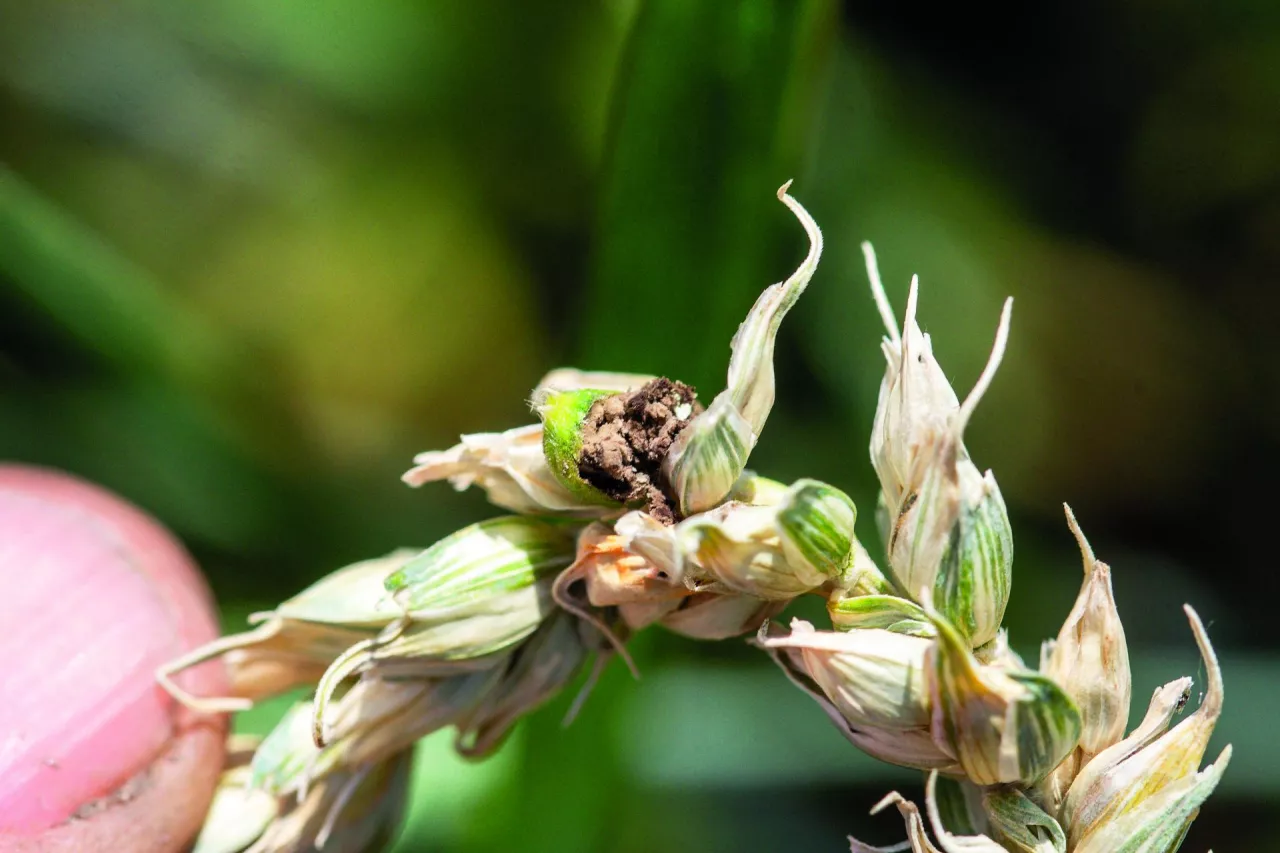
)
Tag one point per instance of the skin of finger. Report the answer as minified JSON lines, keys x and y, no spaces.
{"x":157,"y":802}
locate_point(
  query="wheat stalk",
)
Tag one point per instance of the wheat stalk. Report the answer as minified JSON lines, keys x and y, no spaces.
{"x":632,"y":506}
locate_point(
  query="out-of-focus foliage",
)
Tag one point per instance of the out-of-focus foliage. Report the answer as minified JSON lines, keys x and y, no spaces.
{"x":255,"y":255}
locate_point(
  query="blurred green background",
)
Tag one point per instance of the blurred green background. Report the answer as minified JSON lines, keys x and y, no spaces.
{"x":254,"y":255}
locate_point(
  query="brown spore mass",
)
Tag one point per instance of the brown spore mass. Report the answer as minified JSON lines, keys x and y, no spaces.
{"x":625,"y":437}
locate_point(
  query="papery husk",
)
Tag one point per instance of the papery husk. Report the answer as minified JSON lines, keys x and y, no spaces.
{"x":774,"y":552}
{"x":711,"y":453}
{"x":945,"y":522}
{"x":1003,"y":726}
{"x":296,"y":642}
{"x":716,"y":616}
{"x":914,"y":748}
{"x":1119,"y":779}
{"x":537,"y":672}
{"x":875,"y":678}
{"x":1090,"y":659}
{"x":510,"y":467}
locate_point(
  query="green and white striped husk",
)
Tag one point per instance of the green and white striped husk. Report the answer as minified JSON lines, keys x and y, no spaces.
{"x":946,"y":528}
{"x":770,"y":552}
{"x":1004,"y":727}
{"x":817,"y":526}
{"x":711,"y":453}
{"x":952,"y":539}
{"x":462,"y":574}
{"x":473,"y":595}
{"x":959,"y":805}
{"x":751,"y":488}
{"x":951,"y":842}
{"x":295,"y":643}
{"x":889,"y":612}
{"x":1020,"y":824}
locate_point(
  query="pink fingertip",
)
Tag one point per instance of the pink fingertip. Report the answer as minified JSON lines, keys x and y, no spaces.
{"x":94,"y":596}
